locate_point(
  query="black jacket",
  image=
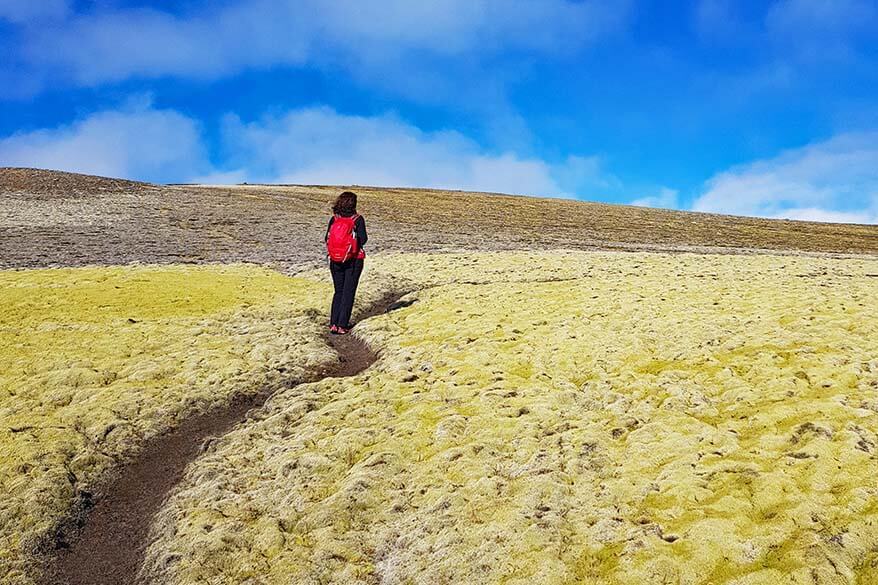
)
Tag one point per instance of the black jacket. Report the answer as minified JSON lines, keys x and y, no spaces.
{"x":359,"y":227}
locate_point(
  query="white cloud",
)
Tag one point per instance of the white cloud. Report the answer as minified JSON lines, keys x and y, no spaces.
{"x":146,"y":43}
{"x":355,"y":34}
{"x":824,"y":215}
{"x":310,"y":146}
{"x":587,"y":177}
{"x":665,"y":199}
{"x":24,"y":11}
{"x":321,"y":146}
{"x":835,"y":180}
{"x":458,"y":26}
{"x":136,"y":142}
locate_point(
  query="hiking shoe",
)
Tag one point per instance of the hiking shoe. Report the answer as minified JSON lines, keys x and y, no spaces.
{"x":342,"y":330}
{"x":333,"y":329}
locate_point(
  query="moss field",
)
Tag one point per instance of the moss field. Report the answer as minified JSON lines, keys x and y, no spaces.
{"x":556,"y":417}
{"x":533,"y":417}
{"x":95,"y":361}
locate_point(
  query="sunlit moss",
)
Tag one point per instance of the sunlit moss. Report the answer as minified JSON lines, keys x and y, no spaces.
{"x":94,"y":361}
{"x":571,"y":418}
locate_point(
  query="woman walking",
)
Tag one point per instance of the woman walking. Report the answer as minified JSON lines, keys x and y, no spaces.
{"x":345,"y":238}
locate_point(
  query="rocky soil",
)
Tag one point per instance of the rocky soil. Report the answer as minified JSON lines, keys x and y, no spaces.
{"x":50,"y":218}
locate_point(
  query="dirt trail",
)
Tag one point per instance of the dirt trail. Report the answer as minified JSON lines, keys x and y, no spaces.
{"x":109,"y":548}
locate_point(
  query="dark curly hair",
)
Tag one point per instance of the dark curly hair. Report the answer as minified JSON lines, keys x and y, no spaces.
{"x":346,"y":204}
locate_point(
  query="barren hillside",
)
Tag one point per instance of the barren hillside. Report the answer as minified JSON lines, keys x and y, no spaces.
{"x":50,"y":218}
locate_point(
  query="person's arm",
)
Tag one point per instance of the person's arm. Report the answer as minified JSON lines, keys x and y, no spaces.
{"x":360,"y":227}
{"x":326,"y":237}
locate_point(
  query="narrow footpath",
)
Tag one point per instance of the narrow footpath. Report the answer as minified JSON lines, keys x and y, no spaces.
{"x":109,"y":545}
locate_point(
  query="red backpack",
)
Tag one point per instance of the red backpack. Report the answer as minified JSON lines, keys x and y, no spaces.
{"x":341,"y":245}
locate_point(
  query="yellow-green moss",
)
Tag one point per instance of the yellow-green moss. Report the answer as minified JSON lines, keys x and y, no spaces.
{"x":94,"y":361}
{"x":648,"y":419}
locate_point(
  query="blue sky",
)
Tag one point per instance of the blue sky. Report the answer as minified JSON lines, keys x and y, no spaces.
{"x":753,"y":108}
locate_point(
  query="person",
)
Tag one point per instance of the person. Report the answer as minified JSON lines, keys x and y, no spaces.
{"x":345,"y":273}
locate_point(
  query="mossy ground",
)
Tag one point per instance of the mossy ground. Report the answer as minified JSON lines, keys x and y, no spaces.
{"x":95,"y":387}
{"x":95,"y":361}
{"x":564,"y":418}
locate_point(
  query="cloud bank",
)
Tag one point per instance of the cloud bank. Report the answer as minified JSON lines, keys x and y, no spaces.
{"x":310,"y":146}
{"x":665,"y":199}
{"x":219,"y":40}
{"x":136,"y":141}
{"x":321,"y":146}
{"x":834,"y":180}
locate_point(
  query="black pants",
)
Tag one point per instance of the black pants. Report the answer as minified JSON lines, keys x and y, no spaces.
{"x":345,"y":277}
